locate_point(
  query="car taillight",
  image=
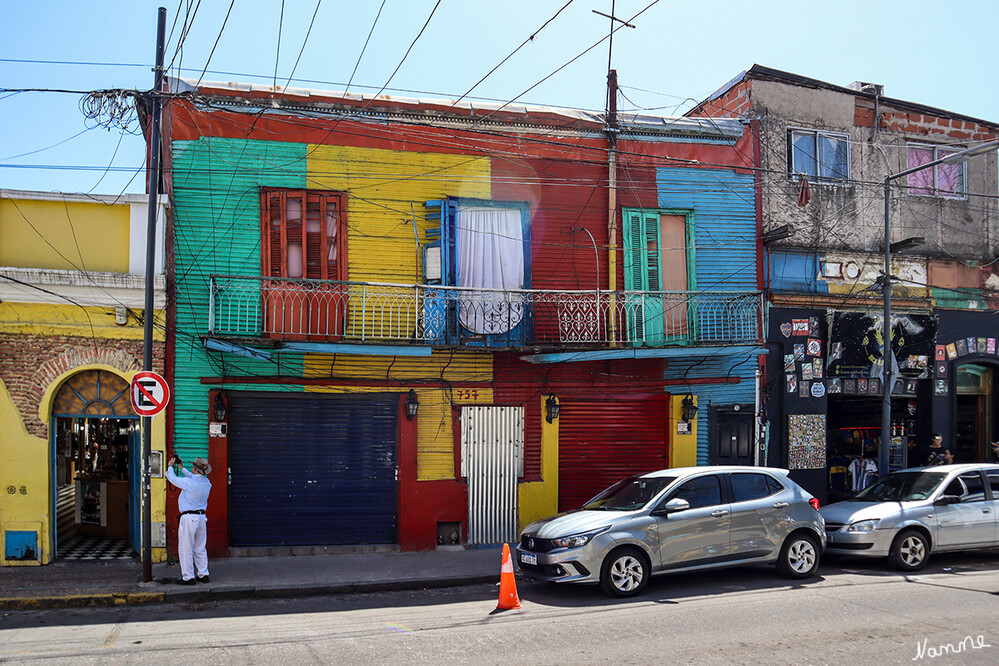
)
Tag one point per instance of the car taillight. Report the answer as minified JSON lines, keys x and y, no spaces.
{"x":815,"y":503}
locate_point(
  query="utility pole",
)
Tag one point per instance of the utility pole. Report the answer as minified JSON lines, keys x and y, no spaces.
{"x":612,"y":192}
{"x":148,"y":314}
{"x":612,"y":132}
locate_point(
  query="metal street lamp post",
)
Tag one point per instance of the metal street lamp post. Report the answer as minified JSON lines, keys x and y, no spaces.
{"x":887,"y":380}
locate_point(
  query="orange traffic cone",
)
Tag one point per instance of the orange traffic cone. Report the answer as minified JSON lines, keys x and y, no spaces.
{"x":508,"y":598}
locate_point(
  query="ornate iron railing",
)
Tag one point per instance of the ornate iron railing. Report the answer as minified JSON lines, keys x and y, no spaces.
{"x":373,"y":313}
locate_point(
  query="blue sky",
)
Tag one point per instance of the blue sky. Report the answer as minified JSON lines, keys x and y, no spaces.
{"x":940,"y":54}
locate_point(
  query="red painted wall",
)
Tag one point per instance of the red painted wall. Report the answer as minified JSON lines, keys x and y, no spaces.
{"x":218,"y":501}
{"x":422,"y":504}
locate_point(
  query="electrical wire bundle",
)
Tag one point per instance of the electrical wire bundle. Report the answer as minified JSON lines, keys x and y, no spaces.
{"x":112,"y":109}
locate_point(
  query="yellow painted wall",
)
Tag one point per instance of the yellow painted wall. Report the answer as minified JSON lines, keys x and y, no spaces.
{"x":539,"y":499}
{"x":89,"y":322}
{"x":383,"y":184}
{"x":26,"y":461}
{"x":64,"y":235}
{"x":683,"y":448}
{"x":387,"y":191}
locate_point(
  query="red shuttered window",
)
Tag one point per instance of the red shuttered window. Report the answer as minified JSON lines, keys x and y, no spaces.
{"x":303,"y":234}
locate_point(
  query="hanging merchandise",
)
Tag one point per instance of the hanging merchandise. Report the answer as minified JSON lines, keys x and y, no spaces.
{"x":863,"y":472}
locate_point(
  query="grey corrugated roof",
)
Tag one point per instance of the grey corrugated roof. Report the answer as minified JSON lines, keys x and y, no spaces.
{"x":476,"y":111}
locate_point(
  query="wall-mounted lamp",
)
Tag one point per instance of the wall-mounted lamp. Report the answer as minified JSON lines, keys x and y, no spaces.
{"x":551,"y":408}
{"x":219,"y":410}
{"x":688,"y":410}
{"x":412,"y":405}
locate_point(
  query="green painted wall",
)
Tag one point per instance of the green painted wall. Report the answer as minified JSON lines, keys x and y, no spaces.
{"x":217,"y":230}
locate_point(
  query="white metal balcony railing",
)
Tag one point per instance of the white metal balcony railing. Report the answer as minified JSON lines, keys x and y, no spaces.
{"x":373,"y":313}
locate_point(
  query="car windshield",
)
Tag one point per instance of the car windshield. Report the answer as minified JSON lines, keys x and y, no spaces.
{"x":630,"y":494}
{"x":901,"y":487}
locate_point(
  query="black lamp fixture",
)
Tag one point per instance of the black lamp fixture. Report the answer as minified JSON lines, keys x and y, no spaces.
{"x":219,"y":410}
{"x":412,"y":405}
{"x":551,"y":408}
{"x":688,"y":410}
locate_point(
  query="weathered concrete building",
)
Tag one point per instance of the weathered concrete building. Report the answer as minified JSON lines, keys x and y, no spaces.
{"x":823,"y":153}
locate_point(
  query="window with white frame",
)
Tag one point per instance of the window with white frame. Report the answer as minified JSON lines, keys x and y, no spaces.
{"x":941,"y":180}
{"x":822,"y":156}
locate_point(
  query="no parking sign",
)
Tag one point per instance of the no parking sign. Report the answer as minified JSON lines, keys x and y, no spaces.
{"x":149,"y":393}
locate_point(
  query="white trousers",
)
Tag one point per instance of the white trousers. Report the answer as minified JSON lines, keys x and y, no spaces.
{"x":192,"y":533}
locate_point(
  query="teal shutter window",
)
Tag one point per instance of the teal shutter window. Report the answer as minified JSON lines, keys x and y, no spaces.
{"x":648,"y":306}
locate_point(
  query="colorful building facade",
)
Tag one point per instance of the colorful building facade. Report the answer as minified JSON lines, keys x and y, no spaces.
{"x":825,"y":152}
{"x":411,"y":323}
{"x":72,"y":276}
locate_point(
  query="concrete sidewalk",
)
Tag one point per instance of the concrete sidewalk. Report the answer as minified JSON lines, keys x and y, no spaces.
{"x":74,"y":584}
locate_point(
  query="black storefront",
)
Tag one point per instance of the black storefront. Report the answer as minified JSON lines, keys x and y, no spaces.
{"x":966,"y":369}
{"x":824,"y":397}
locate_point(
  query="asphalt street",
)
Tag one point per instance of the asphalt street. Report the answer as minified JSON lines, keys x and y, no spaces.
{"x":854,"y":612}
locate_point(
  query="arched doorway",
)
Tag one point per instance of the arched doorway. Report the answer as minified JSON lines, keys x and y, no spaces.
{"x":973,"y":416}
{"x":95,"y":444}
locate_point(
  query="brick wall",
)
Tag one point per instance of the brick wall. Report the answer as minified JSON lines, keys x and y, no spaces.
{"x":734,"y":103}
{"x":30,"y":363}
{"x":929,"y":125}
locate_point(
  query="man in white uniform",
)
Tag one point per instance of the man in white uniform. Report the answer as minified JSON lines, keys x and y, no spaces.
{"x":192,"y":531}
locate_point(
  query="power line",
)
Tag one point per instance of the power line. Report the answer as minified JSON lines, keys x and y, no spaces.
{"x":406,"y":55}
{"x":572,"y":60}
{"x":304,"y":42}
{"x":365,"y":47}
{"x":511,"y":54}
{"x":32,"y":152}
{"x":277,"y":55}
{"x":215,"y":45}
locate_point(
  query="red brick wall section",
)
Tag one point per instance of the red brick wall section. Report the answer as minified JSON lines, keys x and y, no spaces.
{"x":30,"y":363}
{"x":734,"y":103}
{"x":862,"y":116}
{"x":951,"y":128}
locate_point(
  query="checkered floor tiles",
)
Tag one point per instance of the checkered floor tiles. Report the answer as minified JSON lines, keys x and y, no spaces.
{"x":73,"y":546}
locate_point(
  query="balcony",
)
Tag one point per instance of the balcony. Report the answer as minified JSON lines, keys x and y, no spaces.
{"x":278,"y":309}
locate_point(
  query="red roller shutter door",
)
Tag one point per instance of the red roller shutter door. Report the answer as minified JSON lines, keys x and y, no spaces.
{"x":603,"y":441}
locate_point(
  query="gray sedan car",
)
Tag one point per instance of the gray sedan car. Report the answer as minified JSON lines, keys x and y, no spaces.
{"x":907,"y":515}
{"x":675,"y":520}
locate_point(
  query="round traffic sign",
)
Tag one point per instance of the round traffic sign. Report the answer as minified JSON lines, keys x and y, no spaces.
{"x":149,"y":392}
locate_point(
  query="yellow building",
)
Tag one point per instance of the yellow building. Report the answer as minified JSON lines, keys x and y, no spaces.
{"x":72,"y":284}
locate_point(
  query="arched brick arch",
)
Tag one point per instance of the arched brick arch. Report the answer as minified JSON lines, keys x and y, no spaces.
{"x":33,"y":367}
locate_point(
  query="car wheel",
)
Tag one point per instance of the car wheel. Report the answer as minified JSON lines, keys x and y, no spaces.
{"x":909,"y":551}
{"x":625,"y":573}
{"x":799,"y":556}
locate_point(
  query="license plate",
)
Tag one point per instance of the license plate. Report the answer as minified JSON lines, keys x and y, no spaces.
{"x":528,"y":558}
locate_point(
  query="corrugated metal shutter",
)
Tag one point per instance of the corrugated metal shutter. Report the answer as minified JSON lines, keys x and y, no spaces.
{"x":492,"y":451}
{"x":603,"y":441}
{"x":312,"y":470}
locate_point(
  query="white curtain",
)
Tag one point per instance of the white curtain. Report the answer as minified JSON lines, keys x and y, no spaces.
{"x":490,"y":256}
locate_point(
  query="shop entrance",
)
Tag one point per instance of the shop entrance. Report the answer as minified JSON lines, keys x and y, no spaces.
{"x":974,"y":422}
{"x":854,"y":440}
{"x":95,"y":449}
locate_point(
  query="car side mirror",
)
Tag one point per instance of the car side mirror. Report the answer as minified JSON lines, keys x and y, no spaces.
{"x":946,"y":499}
{"x":673,"y":506}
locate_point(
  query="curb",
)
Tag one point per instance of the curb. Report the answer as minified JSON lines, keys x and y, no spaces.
{"x":82,"y":600}
{"x":230,"y":594}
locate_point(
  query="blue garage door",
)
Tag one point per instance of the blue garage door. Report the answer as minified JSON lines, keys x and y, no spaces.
{"x":309,"y":470}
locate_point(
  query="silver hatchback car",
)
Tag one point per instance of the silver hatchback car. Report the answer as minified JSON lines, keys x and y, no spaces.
{"x":675,"y":520}
{"x":906,"y":515}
